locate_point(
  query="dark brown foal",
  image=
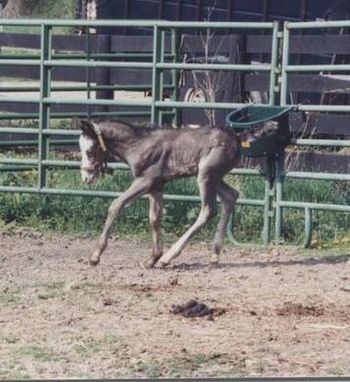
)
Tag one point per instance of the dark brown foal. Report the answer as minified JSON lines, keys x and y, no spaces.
{"x":156,"y":156}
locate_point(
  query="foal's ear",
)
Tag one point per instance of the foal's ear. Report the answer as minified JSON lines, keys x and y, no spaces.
{"x":85,"y":126}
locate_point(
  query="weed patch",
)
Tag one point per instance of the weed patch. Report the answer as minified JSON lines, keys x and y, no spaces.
{"x":38,"y":353}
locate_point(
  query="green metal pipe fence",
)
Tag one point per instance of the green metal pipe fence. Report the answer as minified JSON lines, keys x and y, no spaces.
{"x":281,"y":175}
{"x":158,"y":62}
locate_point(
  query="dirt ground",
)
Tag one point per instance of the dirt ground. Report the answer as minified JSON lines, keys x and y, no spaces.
{"x":283,"y":312}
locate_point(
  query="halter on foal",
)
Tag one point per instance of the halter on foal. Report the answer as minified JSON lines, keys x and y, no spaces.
{"x":97,"y":166}
{"x":155,"y":157}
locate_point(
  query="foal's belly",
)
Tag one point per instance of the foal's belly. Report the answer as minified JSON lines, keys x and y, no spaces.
{"x":177,"y":170}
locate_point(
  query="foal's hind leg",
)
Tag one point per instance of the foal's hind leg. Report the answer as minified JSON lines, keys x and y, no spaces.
{"x":155,"y":215}
{"x":208,"y":189}
{"x":139,"y":187}
{"x":228,"y":197}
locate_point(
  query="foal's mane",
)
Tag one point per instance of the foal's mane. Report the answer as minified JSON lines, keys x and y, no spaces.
{"x":139,"y":128}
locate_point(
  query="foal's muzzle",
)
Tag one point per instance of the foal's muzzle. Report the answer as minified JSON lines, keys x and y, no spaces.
{"x":88,"y":177}
{"x":92,"y":173}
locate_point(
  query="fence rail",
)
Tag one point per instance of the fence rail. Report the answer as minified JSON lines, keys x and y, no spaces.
{"x":161,"y":61}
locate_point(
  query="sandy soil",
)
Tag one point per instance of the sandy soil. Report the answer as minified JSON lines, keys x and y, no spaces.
{"x":283,"y":312}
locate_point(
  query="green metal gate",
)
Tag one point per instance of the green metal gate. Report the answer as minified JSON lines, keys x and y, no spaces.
{"x":278,"y":69}
{"x":286,"y":69}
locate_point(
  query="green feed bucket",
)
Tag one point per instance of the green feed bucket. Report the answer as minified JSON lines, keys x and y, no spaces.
{"x":264,"y":130}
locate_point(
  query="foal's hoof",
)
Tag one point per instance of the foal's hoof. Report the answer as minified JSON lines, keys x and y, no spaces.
{"x":94,"y":262}
{"x":163,"y":264}
{"x":148,"y":264}
{"x":214,"y":260}
{"x":152,"y":261}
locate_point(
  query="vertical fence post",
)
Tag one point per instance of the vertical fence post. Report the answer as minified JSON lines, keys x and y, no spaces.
{"x":270,"y":171}
{"x":88,"y":70}
{"x":280,"y":170}
{"x":161,"y":74}
{"x":271,"y":160}
{"x":44,"y":109}
{"x":1,"y":16}
{"x":174,"y":76}
{"x":155,"y":114}
{"x":274,"y":63}
{"x":280,"y":175}
{"x":280,"y":165}
{"x":285,"y":60}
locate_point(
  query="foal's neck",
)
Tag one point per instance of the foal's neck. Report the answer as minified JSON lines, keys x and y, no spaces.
{"x":121,"y":138}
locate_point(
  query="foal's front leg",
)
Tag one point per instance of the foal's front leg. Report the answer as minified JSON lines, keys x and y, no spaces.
{"x":139,"y":187}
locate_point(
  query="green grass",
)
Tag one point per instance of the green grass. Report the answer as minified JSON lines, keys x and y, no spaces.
{"x":89,"y":287}
{"x":38,"y":353}
{"x":9,"y":298}
{"x":89,"y":346}
{"x":328,"y":226}
{"x":87,"y":214}
{"x":54,"y":9}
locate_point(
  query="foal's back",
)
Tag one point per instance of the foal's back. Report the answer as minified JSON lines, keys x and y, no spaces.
{"x":182,"y":152}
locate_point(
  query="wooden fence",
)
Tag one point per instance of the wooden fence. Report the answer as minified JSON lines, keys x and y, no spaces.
{"x":305,"y":88}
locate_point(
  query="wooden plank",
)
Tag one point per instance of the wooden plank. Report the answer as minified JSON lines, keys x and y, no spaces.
{"x":72,"y":43}
{"x":32,"y":41}
{"x":34,"y":108}
{"x":189,"y":44}
{"x":20,"y":40}
{"x":256,"y":82}
{"x":136,"y":44}
{"x":334,"y":124}
{"x":74,"y":74}
{"x":259,"y":44}
{"x":321,"y":123}
{"x":315,"y":83}
{"x":223,"y":44}
{"x":19,"y":107}
{"x":303,"y":83}
{"x":309,"y":161}
{"x":31,"y":72}
{"x":304,"y":44}
{"x":320,"y":44}
{"x":128,"y":76}
{"x":318,"y":162}
{"x":194,"y":44}
{"x":135,"y":76}
{"x":197,"y":44}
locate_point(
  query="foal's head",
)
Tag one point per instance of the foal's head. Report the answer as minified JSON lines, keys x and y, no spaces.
{"x":93,"y":153}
